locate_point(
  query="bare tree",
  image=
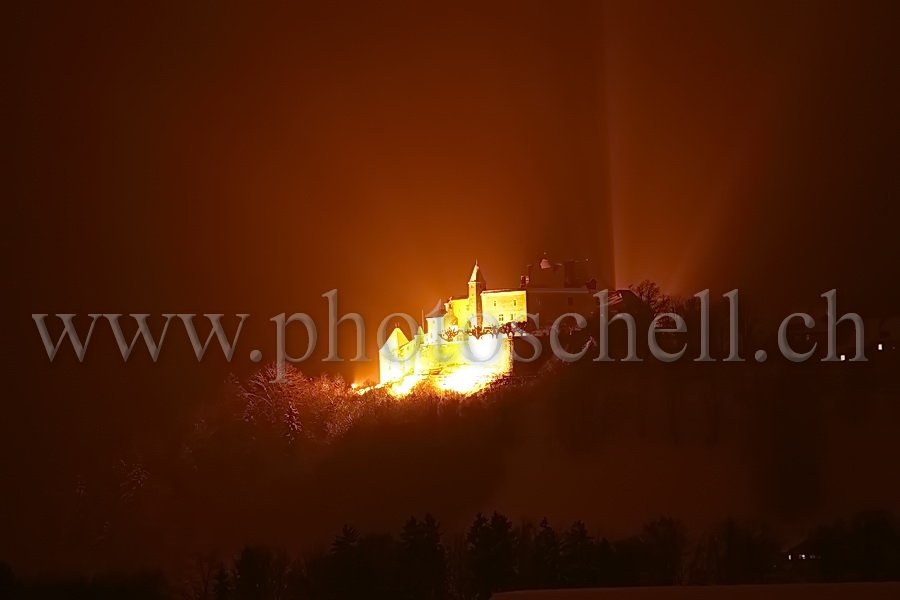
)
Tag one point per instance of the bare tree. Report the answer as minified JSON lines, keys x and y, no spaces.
{"x":649,"y":293}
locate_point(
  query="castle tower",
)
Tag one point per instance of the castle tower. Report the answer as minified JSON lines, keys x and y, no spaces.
{"x":436,"y":322}
{"x":476,"y":286}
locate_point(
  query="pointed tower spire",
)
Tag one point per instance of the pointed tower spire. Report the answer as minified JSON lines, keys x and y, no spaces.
{"x":476,"y":274}
{"x":476,"y":286}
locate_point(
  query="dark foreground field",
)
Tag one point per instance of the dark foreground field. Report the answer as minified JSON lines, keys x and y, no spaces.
{"x":824,"y":591}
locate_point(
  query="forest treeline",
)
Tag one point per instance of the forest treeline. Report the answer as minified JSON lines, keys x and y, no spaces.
{"x":420,"y":563}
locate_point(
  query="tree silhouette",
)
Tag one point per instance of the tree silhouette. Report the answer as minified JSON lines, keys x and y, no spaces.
{"x":665,"y":542}
{"x":260,"y":574}
{"x":868,"y":549}
{"x":422,"y":556}
{"x":579,"y":559}
{"x":478,"y":331}
{"x":346,"y":541}
{"x":221,"y":589}
{"x":490,"y":546}
{"x":203,"y":577}
{"x":9,"y":585}
{"x":740,"y":553}
{"x":545,"y":562}
{"x":876,"y":545}
{"x":358,"y":566}
{"x":650,"y":294}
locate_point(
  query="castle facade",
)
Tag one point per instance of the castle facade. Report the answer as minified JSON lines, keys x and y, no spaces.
{"x":469,"y":340}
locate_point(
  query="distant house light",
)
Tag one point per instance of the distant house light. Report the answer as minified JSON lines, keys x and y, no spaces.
{"x":880,"y":347}
{"x":843,"y":357}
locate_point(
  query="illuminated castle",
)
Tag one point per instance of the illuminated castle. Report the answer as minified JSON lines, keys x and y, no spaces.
{"x":468,"y":341}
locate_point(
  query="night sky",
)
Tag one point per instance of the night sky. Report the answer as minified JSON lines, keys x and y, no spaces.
{"x":226,"y":158}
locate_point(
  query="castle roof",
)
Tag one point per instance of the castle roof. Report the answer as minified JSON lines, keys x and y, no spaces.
{"x":476,"y":277}
{"x":396,"y":339}
{"x":438,"y":310}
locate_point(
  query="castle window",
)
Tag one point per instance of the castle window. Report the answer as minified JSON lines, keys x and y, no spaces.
{"x":495,"y":303}
{"x":515,"y":302}
{"x":501,"y":318}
